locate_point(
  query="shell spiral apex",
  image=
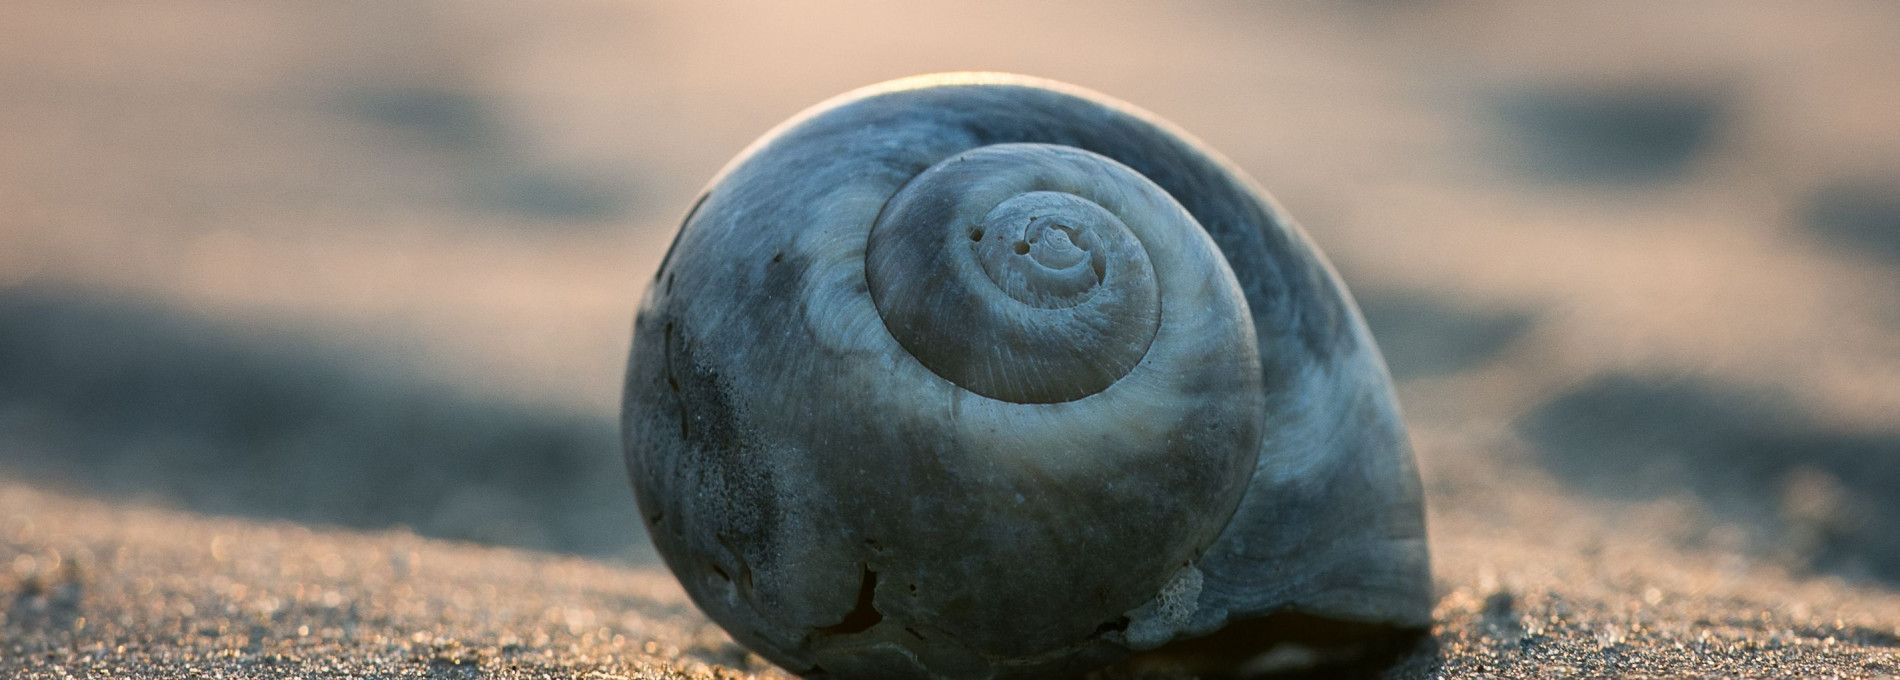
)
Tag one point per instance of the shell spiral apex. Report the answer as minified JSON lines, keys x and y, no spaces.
{"x":982,"y":376}
{"x":1001,"y":270}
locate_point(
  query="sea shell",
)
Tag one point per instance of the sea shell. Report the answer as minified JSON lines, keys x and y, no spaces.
{"x":975,"y":376}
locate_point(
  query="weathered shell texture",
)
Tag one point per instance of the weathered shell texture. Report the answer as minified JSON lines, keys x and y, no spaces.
{"x":986,"y":376}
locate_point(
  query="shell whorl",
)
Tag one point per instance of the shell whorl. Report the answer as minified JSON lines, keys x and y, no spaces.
{"x":1021,"y":271}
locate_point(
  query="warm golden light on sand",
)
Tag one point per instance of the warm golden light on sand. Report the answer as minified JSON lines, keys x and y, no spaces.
{"x":285,"y":286}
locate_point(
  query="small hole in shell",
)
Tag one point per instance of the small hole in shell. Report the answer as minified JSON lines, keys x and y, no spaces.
{"x":976,"y":234}
{"x":1022,"y":248}
{"x":865,"y":614}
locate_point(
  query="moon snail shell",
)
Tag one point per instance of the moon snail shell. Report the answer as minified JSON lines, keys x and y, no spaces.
{"x":984,"y":376}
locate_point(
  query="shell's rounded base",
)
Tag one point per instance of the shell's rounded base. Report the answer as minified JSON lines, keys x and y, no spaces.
{"x":1282,"y":644}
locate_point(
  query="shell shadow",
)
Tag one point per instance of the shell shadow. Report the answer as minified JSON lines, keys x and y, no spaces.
{"x":1829,"y":497}
{"x":1289,"y":646}
{"x":118,"y":397}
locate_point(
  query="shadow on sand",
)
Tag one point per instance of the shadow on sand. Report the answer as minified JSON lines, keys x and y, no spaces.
{"x":499,"y":174}
{"x":117,"y":397}
{"x":1857,"y":216}
{"x":1619,"y":134}
{"x":1426,"y":336}
{"x":1827,"y":497}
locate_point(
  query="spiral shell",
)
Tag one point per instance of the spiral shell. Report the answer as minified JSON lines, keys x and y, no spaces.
{"x":985,"y":376}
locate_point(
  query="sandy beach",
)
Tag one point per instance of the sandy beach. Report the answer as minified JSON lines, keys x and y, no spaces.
{"x":313,"y":317}
{"x":101,"y":589}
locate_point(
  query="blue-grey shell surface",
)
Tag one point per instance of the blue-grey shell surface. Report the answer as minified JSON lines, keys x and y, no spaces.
{"x":845,"y":510}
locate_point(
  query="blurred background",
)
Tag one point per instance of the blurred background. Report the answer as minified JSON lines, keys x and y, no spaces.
{"x":1635,"y":266}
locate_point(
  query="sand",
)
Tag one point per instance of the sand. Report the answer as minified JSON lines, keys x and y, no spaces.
{"x":108,"y":590}
{"x":312,"y":316}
